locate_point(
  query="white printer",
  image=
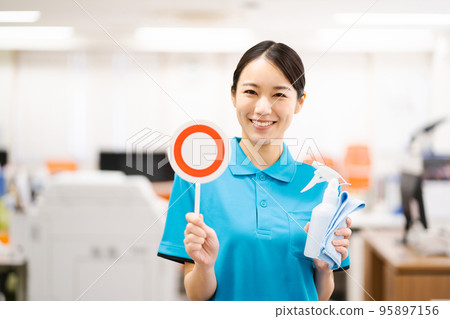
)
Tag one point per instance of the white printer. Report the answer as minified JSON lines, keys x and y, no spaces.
{"x":94,"y":236}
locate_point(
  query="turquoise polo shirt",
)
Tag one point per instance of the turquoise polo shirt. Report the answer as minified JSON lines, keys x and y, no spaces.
{"x":258,"y":217}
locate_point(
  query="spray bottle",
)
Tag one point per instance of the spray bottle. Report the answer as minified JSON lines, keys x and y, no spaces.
{"x":322,"y":213}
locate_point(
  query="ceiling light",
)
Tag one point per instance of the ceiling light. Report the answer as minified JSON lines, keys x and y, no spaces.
{"x":393,"y":19}
{"x":35,"y":33}
{"x":195,"y":39}
{"x":370,"y":40}
{"x":19,"y":16}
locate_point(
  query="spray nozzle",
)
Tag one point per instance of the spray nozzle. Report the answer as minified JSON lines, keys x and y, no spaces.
{"x":323,"y":173}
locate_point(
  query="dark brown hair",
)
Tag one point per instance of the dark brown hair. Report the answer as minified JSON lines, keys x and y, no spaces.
{"x":284,"y":58}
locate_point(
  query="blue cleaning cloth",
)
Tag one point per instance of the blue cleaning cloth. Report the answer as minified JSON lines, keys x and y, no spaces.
{"x":346,"y":206}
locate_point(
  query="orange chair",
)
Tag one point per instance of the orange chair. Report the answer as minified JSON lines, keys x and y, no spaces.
{"x":61,"y":166}
{"x":328,"y":161}
{"x":4,"y":237}
{"x":4,"y":224}
{"x":357,"y":167}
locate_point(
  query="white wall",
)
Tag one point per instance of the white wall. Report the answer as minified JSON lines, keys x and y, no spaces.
{"x":71,"y":105}
{"x":440,"y":82}
{"x":6,"y":92}
{"x":377,"y":99}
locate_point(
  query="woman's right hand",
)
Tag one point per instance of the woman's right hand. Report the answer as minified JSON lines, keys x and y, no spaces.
{"x":200,"y":241}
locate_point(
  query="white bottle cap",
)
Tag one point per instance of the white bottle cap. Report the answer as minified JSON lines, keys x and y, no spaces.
{"x":323,"y":173}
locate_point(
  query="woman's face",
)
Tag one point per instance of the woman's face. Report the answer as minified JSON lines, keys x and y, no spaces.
{"x":265,"y":102}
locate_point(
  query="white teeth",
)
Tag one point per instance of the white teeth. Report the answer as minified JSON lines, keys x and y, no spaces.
{"x":262,"y":123}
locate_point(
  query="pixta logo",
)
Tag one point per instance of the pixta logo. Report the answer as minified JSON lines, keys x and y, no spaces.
{"x":142,"y":148}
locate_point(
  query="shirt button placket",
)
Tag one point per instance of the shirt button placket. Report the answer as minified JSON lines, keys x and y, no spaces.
{"x":262,"y":204}
{"x":262,"y":178}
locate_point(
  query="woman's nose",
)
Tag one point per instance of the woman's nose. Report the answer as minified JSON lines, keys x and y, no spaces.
{"x":263,"y":106}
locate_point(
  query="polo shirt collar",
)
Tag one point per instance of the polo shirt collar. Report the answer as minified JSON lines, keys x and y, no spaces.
{"x":282,"y":170}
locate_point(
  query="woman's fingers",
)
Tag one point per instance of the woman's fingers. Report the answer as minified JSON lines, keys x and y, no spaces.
{"x":306,"y":228}
{"x":192,"y":246}
{"x":191,"y":238}
{"x":200,"y":240}
{"x":346,"y":232}
{"x":341,"y":245}
{"x":194,"y":234}
{"x":195,"y":225}
{"x":196,"y":230}
{"x":194,"y":219}
{"x":208,"y":231}
{"x":343,"y":251}
{"x":341,"y":242}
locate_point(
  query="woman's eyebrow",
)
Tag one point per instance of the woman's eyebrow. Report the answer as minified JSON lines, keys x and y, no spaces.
{"x":250,"y":84}
{"x":287,"y":88}
{"x":278,"y":87}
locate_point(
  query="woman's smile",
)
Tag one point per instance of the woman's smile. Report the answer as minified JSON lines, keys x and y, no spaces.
{"x":262,"y":125}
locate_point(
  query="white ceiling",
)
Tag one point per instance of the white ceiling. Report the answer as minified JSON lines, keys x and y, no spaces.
{"x":292,"y":21}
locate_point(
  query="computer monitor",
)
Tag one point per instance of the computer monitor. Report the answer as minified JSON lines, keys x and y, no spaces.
{"x":3,"y":157}
{"x":436,"y":176}
{"x":411,"y":190}
{"x":437,"y":168}
{"x":436,"y":190}
{"x":145,"y":164}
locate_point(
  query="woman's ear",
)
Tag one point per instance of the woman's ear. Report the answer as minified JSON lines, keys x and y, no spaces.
{"x":299,"y":105}
{"x":233,"y":97}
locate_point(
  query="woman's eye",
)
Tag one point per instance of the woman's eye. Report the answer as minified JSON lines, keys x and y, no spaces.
{"x":280,"y":95}
{"x":250,"y":92}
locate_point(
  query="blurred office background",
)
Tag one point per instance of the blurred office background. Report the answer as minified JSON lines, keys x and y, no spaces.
{"x":81,"y":78}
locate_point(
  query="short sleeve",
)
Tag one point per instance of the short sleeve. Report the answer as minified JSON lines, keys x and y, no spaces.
{"x":345,"y":264}
{"x":181,"y":202}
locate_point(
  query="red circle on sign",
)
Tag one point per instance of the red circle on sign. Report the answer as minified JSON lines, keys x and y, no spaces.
{"x":179,"y":143}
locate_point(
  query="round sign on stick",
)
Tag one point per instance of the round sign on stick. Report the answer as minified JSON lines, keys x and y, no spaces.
{"x":199,"y":153}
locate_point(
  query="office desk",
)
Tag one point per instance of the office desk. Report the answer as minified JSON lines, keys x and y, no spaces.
{"x":393,"y":271}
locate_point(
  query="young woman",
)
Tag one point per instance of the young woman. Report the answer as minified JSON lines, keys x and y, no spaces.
{"x":248,"y":242}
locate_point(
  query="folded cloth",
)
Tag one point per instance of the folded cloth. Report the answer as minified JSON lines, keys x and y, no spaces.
{"x":346,"y":206}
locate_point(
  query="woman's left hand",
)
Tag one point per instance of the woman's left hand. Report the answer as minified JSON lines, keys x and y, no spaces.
{"x":341,"y":245}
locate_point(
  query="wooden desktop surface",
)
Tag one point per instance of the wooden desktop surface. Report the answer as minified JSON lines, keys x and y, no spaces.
{"x":394,"y":271}
{"x":388,"y":246}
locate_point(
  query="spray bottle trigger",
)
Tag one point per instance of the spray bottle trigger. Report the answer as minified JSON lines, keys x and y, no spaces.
{"x":316,"y":179}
